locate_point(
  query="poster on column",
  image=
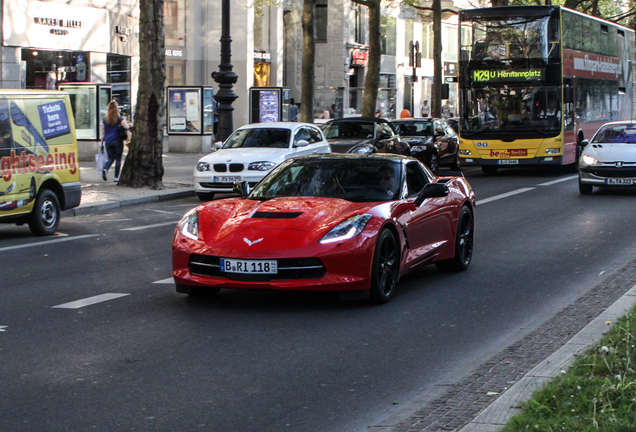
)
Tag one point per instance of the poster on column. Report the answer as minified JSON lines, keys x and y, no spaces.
{"x":184,"y":110}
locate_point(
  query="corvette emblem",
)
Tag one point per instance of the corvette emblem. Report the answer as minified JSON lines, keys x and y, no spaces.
{"x":250,"y":243}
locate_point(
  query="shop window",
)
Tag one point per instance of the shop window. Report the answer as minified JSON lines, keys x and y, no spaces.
{"x":408,"y":35}
{"x":48,"y":69}
{"x":261,"y":74}
{"x":175,"y":71}
{"x":119,"y":76}
{"x":261,"y":25}
{"x":358,"y":19}
{"x":174,"y":22}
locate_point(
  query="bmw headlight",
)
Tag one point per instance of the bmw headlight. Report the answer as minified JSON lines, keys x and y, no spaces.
{"x":589,"y":160}
{"x":189,"y":225}
{"x":203,"y":166}
{"x":347,"y":229}
{"x":261,"y":166}
{"x":362,"y":150}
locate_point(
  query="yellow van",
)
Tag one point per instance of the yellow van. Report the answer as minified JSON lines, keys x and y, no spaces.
{"x":39,"y":167}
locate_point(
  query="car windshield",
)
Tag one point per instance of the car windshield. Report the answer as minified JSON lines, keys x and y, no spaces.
{"x":414,"y":128}
{"x":264,"y":137}
{"x":359,"y":180}
{"x":616,"y":134}
{"x":347,"y":130}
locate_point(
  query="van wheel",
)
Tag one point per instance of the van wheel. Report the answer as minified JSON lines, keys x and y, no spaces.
{"x":45,"y":216}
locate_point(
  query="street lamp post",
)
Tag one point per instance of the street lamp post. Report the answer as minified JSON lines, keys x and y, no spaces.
{"x":225,"y":77}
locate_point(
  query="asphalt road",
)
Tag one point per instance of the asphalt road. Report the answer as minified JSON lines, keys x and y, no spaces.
{"x":146,"y":358}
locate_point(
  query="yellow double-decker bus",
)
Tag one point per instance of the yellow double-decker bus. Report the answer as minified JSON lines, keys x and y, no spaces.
{"x":534,"y":81}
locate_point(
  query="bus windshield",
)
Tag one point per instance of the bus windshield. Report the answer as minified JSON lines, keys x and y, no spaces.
{"x":509,"y":38}
{"x":495,"y":111}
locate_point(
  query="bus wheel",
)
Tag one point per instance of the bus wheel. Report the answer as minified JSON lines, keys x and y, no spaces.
{"x":489,"y":169}
{"x":45,"y":216}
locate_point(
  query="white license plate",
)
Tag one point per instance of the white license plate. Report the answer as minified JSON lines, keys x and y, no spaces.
{"x":508,"y":162}
{"x":248,"y":266}
{"x":620,"y":181}
{"x":226,"y":179}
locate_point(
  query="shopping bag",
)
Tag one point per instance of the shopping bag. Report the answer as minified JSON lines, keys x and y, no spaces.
{"x":100,"y":160}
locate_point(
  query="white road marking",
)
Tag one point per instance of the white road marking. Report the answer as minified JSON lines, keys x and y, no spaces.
{"x":163,"y":211}
{"x":89,"y":301}
{"x":550,"y":183}
{"x":2,"y":328}
{"x":59,"y":234}
{"x":164,"y":281}
{"x":505,"y":195}
{"x":8,"y":248}
{"x":150,"y":226}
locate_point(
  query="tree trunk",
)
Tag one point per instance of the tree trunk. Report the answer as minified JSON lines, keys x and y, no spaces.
{"x":143,"y":165}
{"x":309,"y":58}
{"x":436,"y":105}
{"x":372,"y":76}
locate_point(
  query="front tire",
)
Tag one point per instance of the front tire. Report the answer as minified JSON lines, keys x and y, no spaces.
{"x":457,"y":163}
{"x":386,"y":265}
{"x":464,"y":238}
{"x":45,"y":216}
{"x":584,"y":188}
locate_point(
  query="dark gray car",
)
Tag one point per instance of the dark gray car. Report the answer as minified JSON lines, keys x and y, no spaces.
{"x":363,"y":135}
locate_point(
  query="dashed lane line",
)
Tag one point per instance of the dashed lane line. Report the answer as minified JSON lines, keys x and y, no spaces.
{"x":550,"y":183}
{"x":40,"y":243}
{"x":164,"y":281}
{"x":89,"y":301}
{"x":143,"y":227}
{"x":504,"y":195}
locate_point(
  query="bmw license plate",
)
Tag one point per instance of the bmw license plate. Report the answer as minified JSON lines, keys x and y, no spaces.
{"x":226,"y":179}
{"x":508,"y":161}
{"x":248,"y":266}
{"x":620,"y":181}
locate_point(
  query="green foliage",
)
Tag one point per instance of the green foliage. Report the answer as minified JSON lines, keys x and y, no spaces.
{"x":597,"y":393}
{"x":606,"y":9}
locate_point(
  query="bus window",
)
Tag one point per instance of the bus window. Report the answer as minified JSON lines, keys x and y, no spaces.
{"x":6,"y":141}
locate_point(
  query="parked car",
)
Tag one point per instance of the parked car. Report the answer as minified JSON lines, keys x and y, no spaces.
{"x":349,"y":223}
{"x":609,"y":159}
{"x":252,"y":151}
{"x":431,"y":140}
{"x":453,"y":122}
{"x":363,"y":135}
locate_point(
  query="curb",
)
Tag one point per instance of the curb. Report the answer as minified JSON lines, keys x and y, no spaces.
{"x":497,"y":414}
{"x":106,"y":206}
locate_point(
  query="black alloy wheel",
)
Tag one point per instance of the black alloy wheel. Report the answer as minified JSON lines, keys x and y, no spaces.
{"x":464,"y":239}
{"x":386,"y":265}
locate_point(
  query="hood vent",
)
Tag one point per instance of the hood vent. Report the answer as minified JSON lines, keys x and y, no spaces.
{"x":276,"y":215}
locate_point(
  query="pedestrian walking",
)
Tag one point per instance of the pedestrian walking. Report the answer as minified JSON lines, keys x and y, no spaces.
{"x":425,"y":109}
{"x":293,"y":110}
{"x":112,"y":138}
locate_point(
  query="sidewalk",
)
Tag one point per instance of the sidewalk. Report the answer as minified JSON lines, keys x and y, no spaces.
{"x":99,"y":195}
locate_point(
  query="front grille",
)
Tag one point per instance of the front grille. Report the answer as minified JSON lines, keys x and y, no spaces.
{"x":220,"y":167}
{"x":236,"y":167}
{"x":288,"y":269}
{"x":611,"y":171}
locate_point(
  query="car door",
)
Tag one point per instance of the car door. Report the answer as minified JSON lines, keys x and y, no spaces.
{"x":313,"y":136}
{"x":387,"y":139}
{"x":429,"y":226}
{"x":443,"y":145}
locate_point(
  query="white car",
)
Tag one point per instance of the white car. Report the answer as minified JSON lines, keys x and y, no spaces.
{"x":609,"y":159}
{"x":252,"y":151}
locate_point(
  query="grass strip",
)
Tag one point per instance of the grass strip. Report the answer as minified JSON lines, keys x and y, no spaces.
{"x":597,"y":393}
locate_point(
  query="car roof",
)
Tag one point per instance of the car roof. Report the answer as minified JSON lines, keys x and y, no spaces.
{"x":277,"y":125}
{"x":358,"y":157}
{"x":359,"y":119}
{"x":411,"y":119}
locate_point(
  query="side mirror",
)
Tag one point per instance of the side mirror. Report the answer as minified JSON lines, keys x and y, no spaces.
{"x":384,"y":136}
{"x":432,"y":190}
{"x":301,"y":143}
{"x":584,"y":143}
{"x":218,"y":145}
{"x":241,"y":187}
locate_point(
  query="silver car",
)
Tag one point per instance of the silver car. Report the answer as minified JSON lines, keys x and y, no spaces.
{"x":609,"y":159}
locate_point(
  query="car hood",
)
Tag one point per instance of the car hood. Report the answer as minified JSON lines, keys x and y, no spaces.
{"x":246,"y":155}
{"x":612,"y":152}
{"x":278,"y":224}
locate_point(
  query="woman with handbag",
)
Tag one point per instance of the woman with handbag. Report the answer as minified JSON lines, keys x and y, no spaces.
{"x":114,"y":133}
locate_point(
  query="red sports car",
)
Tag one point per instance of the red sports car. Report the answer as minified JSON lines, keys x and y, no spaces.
{"x":348,"y":223}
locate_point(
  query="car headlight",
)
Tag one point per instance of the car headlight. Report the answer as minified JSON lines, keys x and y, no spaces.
{"x":261,"y":166}
{"x":361,"y":150}
{"x":552,"y":151}
{"x":347,"y":229}
{"x":589,"y":160}
{"x":11,"y":188}
{"x":418,"y":148}
{"x":465,"y":152}
{"x":189,"y":225}
{"x":203,"y":166}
